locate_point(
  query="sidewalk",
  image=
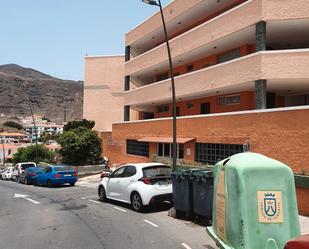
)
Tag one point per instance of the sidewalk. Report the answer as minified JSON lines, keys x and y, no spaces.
{"x":92,"y":181}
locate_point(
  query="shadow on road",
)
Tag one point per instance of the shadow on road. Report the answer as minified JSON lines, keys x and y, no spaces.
{"x":154,"y":208}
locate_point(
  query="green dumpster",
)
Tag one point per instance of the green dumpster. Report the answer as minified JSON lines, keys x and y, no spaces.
{"x":255,"y":203}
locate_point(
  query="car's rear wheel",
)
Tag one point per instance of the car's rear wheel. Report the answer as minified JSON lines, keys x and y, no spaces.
{"x":72,"y":184}
{"x":136,"y":202}
{"x":49,"y":183}
{"x":102,"y":194}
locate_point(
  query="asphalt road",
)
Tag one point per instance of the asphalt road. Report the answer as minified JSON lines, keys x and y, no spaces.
{"x":73,"y":218}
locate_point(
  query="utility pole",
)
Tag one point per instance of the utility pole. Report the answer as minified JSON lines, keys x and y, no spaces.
{"x":35,"y":133}
{"x":65,"y":114}
{"x":3,"y":150}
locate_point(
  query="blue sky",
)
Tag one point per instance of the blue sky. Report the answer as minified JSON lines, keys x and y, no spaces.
{"x":53,"y":36}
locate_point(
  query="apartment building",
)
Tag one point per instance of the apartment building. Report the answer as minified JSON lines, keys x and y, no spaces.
{"x":242,"y":81}
{"x":36,"y":131}
{"x":13,"y":137}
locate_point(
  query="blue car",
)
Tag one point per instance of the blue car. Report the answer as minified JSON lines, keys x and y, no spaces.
{"x":28,"y":176}
{"x":56,"y":175}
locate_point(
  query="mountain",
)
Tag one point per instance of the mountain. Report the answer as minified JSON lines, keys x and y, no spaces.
{"x":51,"y":97}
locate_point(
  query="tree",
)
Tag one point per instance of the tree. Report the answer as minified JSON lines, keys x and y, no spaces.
{"x":13,"y":124}
{"x":47,"y":136}
{"x":47,"y":119}
{"x":34,"y":153}
{"x":80,"y":146}
{"x":89,"y":124}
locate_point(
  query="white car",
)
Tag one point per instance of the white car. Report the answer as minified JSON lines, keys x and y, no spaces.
{"x":20,"y":168}
{"x":7,"y":173}
{"x":137,"y":184}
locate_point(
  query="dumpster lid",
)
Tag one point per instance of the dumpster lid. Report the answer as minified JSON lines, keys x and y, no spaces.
{"x":180,"y":140}
{"x":208,"y":173}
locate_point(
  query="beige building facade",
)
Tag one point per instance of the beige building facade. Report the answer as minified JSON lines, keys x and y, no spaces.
{"x":103,"y":90}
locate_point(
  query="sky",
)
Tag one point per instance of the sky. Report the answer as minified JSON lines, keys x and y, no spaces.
{"x":53,"y":36}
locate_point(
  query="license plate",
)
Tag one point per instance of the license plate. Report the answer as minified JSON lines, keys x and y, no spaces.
{"x":67,"y":175}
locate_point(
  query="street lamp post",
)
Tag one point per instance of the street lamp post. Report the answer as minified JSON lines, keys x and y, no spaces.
{"x":154,"y":2}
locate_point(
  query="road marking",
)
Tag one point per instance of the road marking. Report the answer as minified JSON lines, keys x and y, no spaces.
{"x":87,"y":197}
{"x":149,"y":222}
{"x":26,"y":198}
{"x":97,"y":202}
{"x":120,"y":209}
{"x":186,"y":246}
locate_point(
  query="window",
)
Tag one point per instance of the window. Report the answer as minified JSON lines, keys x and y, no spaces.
{"x":155,"y":171}
{"x":137,"y":148}
{"x":190,"y":68}
{"x":180,"y":151}
{"x":163,"y":108}
{"x":229,"y":100}
{"x":206,"y":65}
{"x":229,"y":56}
{"x":26,"y":165}
{"x":166,"y":150}
{"x":48,"y":170}
{"x":59,"y":169}
{"x":205,"y":108}
{"x":213,"y":153}
{"x":118,"y":172}
{"x":148,"y":115}
{"x":162,"y":76}
{"x":190,"y":106}
{"x":130,"y":171}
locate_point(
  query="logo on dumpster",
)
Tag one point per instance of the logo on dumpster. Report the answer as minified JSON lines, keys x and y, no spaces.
{"x":270,"y":206}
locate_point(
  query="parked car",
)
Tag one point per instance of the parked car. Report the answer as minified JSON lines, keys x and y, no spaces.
{"x":137,"y":184}
{"x":1,"y":171}
{"x":56,"y":175}
{"x":7,"y":173}
{"x":27,"y":177}
{"x":20,"y":168}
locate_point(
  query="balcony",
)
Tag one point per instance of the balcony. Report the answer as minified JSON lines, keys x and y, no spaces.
{"x":285,"y":70}
{"x":234,"y":27}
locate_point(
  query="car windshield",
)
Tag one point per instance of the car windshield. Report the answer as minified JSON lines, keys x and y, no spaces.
{"x":27,"y":165}
{"x":58,"y":169}
{"x":157,"y":171}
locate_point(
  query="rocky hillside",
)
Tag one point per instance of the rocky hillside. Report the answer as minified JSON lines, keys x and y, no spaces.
{"x":51,"y":97}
